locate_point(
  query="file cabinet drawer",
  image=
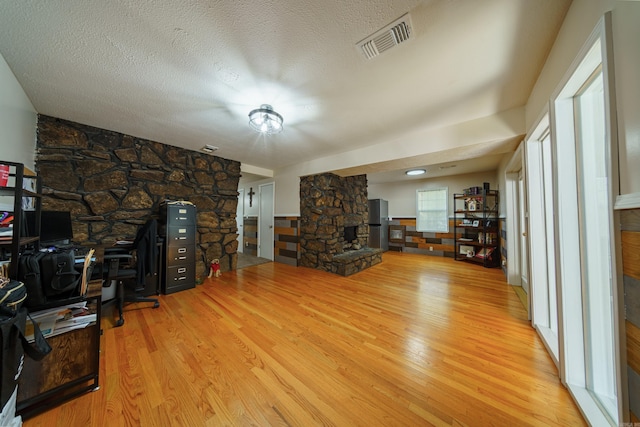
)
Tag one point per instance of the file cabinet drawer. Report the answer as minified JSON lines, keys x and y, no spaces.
{"x":181,"y":215}
{"x":180,"y":235}
{"x":180,"y":254}
{"x":180,"y":277}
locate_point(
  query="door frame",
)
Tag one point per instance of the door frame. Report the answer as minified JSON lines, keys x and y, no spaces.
{"x":266,"y":234}
{"x":240,"y":220}
{"x":514,"y":166}
{"x":523,"y":227}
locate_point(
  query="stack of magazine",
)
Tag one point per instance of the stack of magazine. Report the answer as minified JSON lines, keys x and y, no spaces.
{"x":56,"y":321}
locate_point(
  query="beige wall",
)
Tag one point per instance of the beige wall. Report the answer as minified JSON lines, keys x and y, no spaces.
{"x":17,"y":120}
{"x":578,"y":25}
{"x":402,"y":195}
{"x":480,"y":135}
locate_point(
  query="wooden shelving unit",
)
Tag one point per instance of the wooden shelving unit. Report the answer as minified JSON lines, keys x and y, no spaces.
{"x":476,"y":228}
{"x":23,"y":193}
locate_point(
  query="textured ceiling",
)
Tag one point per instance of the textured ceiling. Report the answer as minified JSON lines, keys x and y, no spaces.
{"x":187,"y":72}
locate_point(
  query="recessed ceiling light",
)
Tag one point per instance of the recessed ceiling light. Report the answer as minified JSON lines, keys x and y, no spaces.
{"x":415,"y":172}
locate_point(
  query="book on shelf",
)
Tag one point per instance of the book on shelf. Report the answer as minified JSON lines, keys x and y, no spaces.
{"x":484,"y":253}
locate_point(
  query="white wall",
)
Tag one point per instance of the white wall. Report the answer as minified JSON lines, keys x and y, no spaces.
{"x":476,"y":137}
{"x":581,"y":19}
{"x":402,"y":195}
{"x":253,"y":210}
{"x":18,"y":120}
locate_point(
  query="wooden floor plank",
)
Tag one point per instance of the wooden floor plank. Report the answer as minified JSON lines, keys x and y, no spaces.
{"x":415,"y":340}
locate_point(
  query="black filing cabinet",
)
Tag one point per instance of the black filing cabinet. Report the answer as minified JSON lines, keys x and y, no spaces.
{"x":178,"y":227}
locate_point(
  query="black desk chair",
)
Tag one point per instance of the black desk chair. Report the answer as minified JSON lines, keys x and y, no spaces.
{"x":129,"y":266}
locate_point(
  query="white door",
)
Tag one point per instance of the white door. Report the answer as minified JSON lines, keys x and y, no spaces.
{"x":524,"y":243}
{"x":265,"y":220}
{"x":240,"y":220}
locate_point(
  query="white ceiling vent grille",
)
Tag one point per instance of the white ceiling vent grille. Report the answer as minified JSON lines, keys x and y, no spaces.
{"x":397,"y":32}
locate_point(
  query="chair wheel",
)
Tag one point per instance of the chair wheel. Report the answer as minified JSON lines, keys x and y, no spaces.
{"x":156,"y":304}
{"x":119,"y":322}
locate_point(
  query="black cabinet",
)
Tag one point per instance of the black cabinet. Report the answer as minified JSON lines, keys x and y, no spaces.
{"x":73,"y":366}
{"x":178,"y":228}
{"x":71,"y":369}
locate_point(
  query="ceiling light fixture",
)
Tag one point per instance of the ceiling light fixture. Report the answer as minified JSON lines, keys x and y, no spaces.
{"x":413,"y":172}
{"x":265,"y":120}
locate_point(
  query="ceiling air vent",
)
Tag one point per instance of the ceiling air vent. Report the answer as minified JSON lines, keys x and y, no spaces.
{"x":397,"y":32}
{"x":209,"y":149}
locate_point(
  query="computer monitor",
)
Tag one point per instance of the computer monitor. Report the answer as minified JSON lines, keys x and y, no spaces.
{"x":55,"y":227}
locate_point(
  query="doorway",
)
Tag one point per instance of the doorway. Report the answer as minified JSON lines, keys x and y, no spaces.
{"x":517,"y":232}
{"x":265,"y":221}
{"x":240,"y":220}
{"x":523,"y":226}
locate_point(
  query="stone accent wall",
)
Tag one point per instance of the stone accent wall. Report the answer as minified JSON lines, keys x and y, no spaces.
{"x":112,"y":183}
{"x":328,"y":202}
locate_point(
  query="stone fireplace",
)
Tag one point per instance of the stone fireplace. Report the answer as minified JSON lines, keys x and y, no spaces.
{"x":350,"y":237}
{"x":333,"y":224}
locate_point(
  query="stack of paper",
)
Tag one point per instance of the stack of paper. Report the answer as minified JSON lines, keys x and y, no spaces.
{"x":56,"y":321}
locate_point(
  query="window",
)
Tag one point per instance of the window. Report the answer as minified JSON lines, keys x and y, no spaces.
{"x":432,"y":210}
{"x":542,"y":236}
{"x":585,"y":233}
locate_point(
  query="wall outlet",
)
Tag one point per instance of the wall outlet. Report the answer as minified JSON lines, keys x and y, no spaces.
{"x":504,"y":262}
{"x":431,"y":248}
{"x":246,"y":244}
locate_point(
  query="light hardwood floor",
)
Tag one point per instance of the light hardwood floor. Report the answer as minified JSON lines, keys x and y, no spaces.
{"x":413,"y":341}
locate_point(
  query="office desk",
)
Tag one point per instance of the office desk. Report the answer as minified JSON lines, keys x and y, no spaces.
{"x":73,"y":365}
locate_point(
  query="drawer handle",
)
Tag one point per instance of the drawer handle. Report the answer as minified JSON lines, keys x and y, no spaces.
{"x":182,"y":257}
{"x":182,"y":211}
{"x":182,"y":270}
{"x":182,"y":250}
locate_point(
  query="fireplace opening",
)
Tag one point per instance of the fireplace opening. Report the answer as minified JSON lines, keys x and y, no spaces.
{"x":350,"y":233}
